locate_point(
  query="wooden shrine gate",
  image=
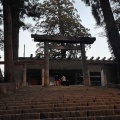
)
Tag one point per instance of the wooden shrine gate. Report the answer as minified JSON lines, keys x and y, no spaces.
{"x":64,"y":39}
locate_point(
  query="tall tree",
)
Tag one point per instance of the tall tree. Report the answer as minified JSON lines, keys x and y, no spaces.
{"x":20,"y":10}
{"x":8,"y":41}
{"x":60,"y":18}
{"x":111,"y":28}
{"x":15,"y":10}
{"x":11,"y":11}
{"x":102,"y":12}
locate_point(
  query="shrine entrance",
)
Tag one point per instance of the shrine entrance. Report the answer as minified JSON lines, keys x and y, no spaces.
{"x":64,"y":39}
{"x":34,"y":77}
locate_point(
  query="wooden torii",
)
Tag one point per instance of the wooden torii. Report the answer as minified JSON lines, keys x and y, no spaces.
{"x":64,"y":39}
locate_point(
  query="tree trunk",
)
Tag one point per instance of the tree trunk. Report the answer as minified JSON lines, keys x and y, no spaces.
{"x":61,"y":28}
{"x":8,"y":41}
{"x":15,"y":28}
{"x":111,"y":28}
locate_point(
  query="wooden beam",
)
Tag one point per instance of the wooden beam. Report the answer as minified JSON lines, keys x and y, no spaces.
{"x":109,"y":58}
{"x":103,"y":58}
{"x":64,"y":47}
{"x":24,"y":62}
{"x":64,"y":39}
{"x":97,"y":58}
{"x":91,"y":58}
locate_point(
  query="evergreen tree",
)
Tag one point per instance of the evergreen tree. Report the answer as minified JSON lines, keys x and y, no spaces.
{"x":59,"y":17}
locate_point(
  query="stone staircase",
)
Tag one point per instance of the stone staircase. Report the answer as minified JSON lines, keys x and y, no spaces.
{"x":61,"y":103}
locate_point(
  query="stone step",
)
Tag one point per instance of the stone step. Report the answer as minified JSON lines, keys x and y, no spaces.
{"x":56,"y":103}
{"x":110,"y":117}
{"x":23,"y":116}
{"x":55,"y":109}
{"x":61,"y":103}
{"x":56,"y":99}
{"x":83,"y":113}
{"x":49,"y":97}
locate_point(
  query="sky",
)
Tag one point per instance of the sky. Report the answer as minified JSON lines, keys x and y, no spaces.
{"x":98,"y":49}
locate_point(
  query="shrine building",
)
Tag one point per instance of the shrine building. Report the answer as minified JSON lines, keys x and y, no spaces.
{"x":81,"y":71}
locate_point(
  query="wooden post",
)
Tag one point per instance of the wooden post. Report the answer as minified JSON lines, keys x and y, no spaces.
{"x":24,"y":75}
{"x":46,"y":64}
{"x":103,"y":77}
{"x":43,"y":71}
{"x":86,"y":76}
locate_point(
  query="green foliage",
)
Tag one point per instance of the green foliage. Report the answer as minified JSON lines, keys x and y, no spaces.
{"x":59,"y":17}
{"x":116,"y":11}
{"x":96,"y":10}
{"x":1,"y":40}
{"x":1,"y":31}
{"x":27,"y":10}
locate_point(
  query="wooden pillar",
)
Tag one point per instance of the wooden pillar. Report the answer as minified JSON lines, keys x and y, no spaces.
{"x":43,"y":71}
{"x":86,"y":75}
{"x":46,"y":64}
{"x":24,"y":75}
{"x":103,"y":77}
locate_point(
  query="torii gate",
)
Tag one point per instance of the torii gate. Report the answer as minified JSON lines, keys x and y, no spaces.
{"x":64,"y":39}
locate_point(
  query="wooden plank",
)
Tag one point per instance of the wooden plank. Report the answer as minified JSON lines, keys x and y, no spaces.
{"x":24,"y":62}
{"x":28,"y":62}
{"x":64,"y":39}
{"x":64,"y":47}
{"x":86,"y":75}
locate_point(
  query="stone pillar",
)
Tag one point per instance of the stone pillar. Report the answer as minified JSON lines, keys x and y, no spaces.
{"x":46,"y":64}
{"x":24,"y":75}
{"x":86,"y":75}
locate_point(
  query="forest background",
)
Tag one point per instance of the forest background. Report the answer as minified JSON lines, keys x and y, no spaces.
{"x":98,"y":49}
